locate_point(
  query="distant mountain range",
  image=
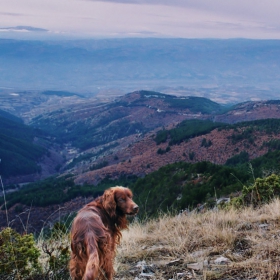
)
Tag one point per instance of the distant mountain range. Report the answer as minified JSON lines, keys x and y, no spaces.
{"x":227,"y":71}
{"x":121,"y":137}
{"x":139,"y":132}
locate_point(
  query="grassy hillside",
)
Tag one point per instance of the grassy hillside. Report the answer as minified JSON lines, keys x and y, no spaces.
{"x":213,"y":245}
{"x":18,"y":153}
{"x":235,"y":240}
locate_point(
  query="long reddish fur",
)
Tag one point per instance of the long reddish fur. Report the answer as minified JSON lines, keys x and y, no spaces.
{"x":95,"y":232}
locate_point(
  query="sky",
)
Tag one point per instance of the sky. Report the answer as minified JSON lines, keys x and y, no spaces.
{"x":257,"y":19}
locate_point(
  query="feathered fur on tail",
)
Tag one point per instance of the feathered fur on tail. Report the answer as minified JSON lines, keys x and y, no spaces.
{"x":84,"y":263}
{"x":92,"y":265}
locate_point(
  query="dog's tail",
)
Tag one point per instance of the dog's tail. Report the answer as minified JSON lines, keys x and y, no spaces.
{"x":92,"y":266}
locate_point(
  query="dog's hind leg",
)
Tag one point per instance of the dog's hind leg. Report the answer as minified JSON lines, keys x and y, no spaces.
{"x":92,"y":267}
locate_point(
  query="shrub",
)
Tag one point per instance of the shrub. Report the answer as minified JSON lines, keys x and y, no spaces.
{"x":191,"y":155}
{"x":205,"y":143}
{"x":161,"y":151}
{"x":56,"y":248}
{"x":262,"y":191}
{"x":18,"y":255}
{"x":98,"y":165}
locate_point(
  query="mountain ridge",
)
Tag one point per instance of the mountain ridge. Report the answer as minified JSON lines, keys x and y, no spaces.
{"x":114,"y":136}
{"x":136,"y":153}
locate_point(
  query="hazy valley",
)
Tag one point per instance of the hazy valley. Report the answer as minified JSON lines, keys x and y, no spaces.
{"x":225,"y":71}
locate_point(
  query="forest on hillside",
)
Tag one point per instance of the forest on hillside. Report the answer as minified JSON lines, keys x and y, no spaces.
{"x":18,"y":153}
{"x":173,"y":187}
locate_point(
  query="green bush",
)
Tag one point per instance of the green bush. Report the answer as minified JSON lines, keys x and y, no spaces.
{"x":161,"y":151}
{"x":262,"y":191}
{"x":57,"y":251}
{"x":18,"y":255}
{"x":205,"y":143}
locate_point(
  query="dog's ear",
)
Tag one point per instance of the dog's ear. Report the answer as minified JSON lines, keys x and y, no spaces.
{"x":109,"y":202}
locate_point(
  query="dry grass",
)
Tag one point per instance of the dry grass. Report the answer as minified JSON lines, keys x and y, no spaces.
{"x":248,"y":238}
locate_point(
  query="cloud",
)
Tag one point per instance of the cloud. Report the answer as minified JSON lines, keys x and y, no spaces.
{"x":143,"y":2}
{"x":159,"y":18}
{"x":10,"y":14}
{"x":24,"y":29}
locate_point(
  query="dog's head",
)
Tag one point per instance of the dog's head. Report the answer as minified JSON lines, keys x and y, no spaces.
{"x":118,"y":201}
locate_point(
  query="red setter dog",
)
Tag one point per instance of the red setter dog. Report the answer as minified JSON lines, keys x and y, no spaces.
{"x":96,"y":232}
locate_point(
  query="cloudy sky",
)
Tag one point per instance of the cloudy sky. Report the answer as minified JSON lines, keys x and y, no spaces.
{"x":145,"y":18}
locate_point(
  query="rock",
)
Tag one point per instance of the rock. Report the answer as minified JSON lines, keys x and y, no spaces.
{"x":195,"y":266}
{"x":200,"y":253}
{"x":146,"y":275}
{"x":223,"y":200}
{"x":263,"y":226}
{"x":181,"y":274}
{"x":222,"y":260}
{"x":141,"y":269}
{"x":146,"y":271}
